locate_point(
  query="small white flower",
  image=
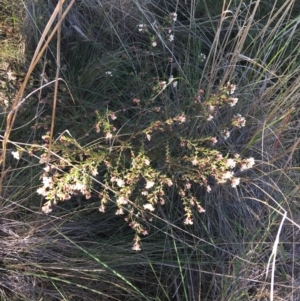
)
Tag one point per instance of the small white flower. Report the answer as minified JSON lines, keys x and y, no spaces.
{"x":113,"y":116}
{"x":202,"y":57}
{"x":162,"y":84}
{"x":213,"y":140}
{"x":188,"y":221}
{"x":171,"y":37}
{"x":136,"y":247}
{"x":149,"y":184}
{"x":200,"y":209}
{"x":225,"y":134}
{"x":209,"y":118}
{"x":149,"y":207}
{"x":230,"y":163}
{"x":181,"y":118}
{"x":16,"y":154}
{"x":42,"y":191}
{"x":108,"y":73}
{"x":122,"y":200}
{"x":188,"y":185}
{"x":250,"y":162}
{"x":102,"y":208}
{"x":108,"y":135}
{"x":47,"y":207}
{"x":232,"y":101}
{"x":142,"y":27}
{"x":47,"y":168}
{"x":169,"y":182}
{"x":120,"y":182}
{"x":195,"y":162}
{"x":230,"y":88}
{"x":120,"y":211}
{"x":174,"y":16}
{"x":154,"y":43}
{"x":227,"y":175}
{"x":94,"y":171}
{"x":47,"y":181}
{"x":247,"y":163}
{"x":238,"y":121}
{"x":208,"y":188}
{"x":10,"y":76}
{"x":235,"y":182}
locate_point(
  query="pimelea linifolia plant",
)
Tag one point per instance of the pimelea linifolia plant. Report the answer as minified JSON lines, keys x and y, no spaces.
{"x":137,"y":170}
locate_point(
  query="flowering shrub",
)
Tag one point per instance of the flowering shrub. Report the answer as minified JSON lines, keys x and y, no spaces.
{"x":138,"y":165}
{"x":135,"y":178}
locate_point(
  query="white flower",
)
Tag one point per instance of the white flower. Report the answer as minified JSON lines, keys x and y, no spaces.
{"x":42,"y":191}
{"x":108,"y":135}
{"x":213,"y":140}
{"x":208,"y":188}
{"x":200,"y":209}
{"x":250,"y":162}
{"x":181,"y":118}
{"x":108,"y":73}
{"x":174,"y":16}
{"x":47,"y":168}
{"x":247,"y":163}
{"x":154,"y":43}
{"x":235,"y":182}
{"x":188,"y":185}
{"x":149,"y":184}
{"x":188,"y":221}
{"x":169,"y":182}
{"x":94,"y":171}
{"x":227,"y":175}
{"x":147,"y":162}
{"x":171,"y":37}
{"x":47,"y":208}
{"x":122,"y":200}
{"x":209,"y":118}
{"x":78,"y":186}
{"x":195,"y":161}
{"x":102,"y":208}
{"x":232,"y":101}
{"x":136,"y":247}
{"x":16,"y":154}
{"x":47,"y":181}
{"x":149,"y":207}
{"x":238,"y":121}
{"x":202,"y":57}
{"x":120,"y":211}
{"x":230,"y":88}
{"x":225,"y":134}
{"x":162,"y":84}
{"x":120,"y":182}
{"x":142,"y":27}
{"x":230,"y":163}
{"x":10,"y":76}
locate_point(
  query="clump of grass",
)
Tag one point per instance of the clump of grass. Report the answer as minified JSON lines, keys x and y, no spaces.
{"x":145,"y":133}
